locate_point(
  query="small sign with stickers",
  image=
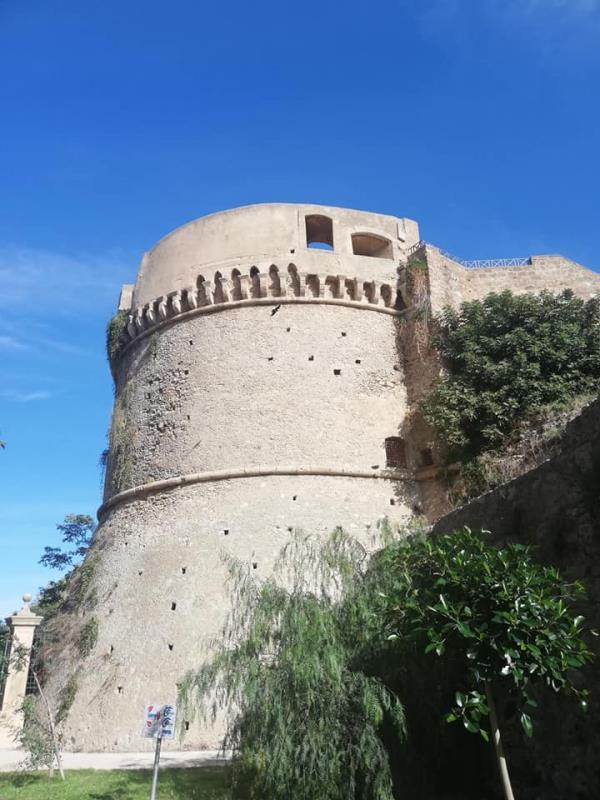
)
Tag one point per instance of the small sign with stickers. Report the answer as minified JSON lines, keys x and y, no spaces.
{"x":159,"y":721}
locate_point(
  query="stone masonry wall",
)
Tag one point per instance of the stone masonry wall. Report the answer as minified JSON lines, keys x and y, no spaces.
{"x":276,"y":415}
{"x":452,"y":284}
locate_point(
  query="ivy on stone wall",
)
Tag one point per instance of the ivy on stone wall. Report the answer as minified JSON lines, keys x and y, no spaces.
{"x":507,"y":356}
{"x":114,"y":329}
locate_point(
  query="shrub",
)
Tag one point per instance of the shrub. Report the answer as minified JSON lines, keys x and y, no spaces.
{"x":508,"y":621}
{"x":114,"y":329}
{"x":506,"y":356}
{"x":88,"y":637}
{"x":67,"y":698}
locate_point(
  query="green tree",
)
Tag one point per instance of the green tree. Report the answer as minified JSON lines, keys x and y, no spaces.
{"x":505,"y":356}
{"x":306,"y":720}
{"x":77,"y":531}
{"x":508,"y":622}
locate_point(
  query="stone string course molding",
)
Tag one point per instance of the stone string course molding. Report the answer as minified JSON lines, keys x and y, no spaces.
{"x":268,"y":287}
{"x":166,"y":484}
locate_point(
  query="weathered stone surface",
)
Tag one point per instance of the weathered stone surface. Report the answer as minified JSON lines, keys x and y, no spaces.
{"x":257,"y":384}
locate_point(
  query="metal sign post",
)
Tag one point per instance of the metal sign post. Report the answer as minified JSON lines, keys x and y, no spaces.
{"x":155,"y":770}
{"x":159,"y":724}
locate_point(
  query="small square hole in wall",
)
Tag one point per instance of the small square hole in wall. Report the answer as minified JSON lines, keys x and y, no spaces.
{"x":343,"y":333}
{"x":186,"y":725}
{"x":170,"y":646}
{"x":288,"y":330}
{"x":270,"y":358}
{"x":226,"y":532}
{"x":191,"y":342}
{"x":140,"y":571}
{"x":183,"y":570}
{"x":311,"y":358}
{"x":173,"y":606}
{"x":292,"y":250}
{"x":295,"y":497}
{"x":427,"y":457}
{"x":255,"y":565}
{"x":112,"y":649}
{"x":357,"y":361}
{"x":119,"y":690}
{"x":337,"y":371}
{"x":392,"y":501}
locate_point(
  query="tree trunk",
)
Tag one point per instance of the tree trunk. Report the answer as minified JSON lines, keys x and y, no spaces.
{"x":51,"y":723}
{"x":500,"y":757}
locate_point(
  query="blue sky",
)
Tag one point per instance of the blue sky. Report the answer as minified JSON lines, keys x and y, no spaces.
{"x":121,"y":120}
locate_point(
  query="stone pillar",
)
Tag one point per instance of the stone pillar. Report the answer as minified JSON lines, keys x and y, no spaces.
{"x":22,"y":627}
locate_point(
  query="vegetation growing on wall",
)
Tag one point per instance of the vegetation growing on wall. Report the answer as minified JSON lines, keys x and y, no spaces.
{"x":121,"y":445}
{"x":417,"y":288}
{"x":88,"y":637}
{"x":507,"y":356}
{"x":114,"y":329}
{"x":67,"y":698}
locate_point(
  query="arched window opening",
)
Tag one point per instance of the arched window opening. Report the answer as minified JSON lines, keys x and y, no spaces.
{"x":369,"y":244}
{"x":319,"y":232}
{"x":395,"y":452}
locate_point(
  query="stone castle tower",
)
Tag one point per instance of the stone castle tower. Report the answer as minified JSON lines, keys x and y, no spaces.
{"x":262,"y":384}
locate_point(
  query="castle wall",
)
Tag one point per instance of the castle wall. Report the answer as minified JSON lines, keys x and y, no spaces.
{"x":266,"y":232}
{"x":248,"y":404}
{"x":247,"y":388}
{"x":257,"y":382}
{"x":451,"y":283}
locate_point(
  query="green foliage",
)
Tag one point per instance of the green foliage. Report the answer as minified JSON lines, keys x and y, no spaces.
{"x":506,"y":356}
{"x":77,"y":530}
{"x":88,"y":637}
{"x":305,"y":719}
{"x":67,"y":698}
{"x":121,"y":456}
{"x":507,"y":620}
{"x":51,"y":597}
{"x":35,"y":737}
{"x":114,"y":329}
{"x":80,"y":583}
{"x":194,"y":783}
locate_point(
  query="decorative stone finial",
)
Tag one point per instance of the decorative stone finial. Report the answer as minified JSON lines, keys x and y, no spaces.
{"x":27,"y":597}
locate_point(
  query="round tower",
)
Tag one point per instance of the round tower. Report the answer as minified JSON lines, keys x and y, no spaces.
{"x":259,"y":388}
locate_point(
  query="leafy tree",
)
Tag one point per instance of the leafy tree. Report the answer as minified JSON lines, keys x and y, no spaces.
{"x":304,"y":719}
{"x":505,"y":356}
{"x":508,"y":620}
{"x":77,"y":530}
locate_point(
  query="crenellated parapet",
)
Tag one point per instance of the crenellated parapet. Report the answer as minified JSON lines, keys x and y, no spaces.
{"x":263,"y":284}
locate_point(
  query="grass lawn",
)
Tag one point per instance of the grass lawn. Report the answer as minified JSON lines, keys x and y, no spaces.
{"x":201,"y":783}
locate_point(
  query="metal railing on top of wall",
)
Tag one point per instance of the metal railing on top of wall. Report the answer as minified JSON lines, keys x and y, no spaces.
{"x":477,"y":264}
